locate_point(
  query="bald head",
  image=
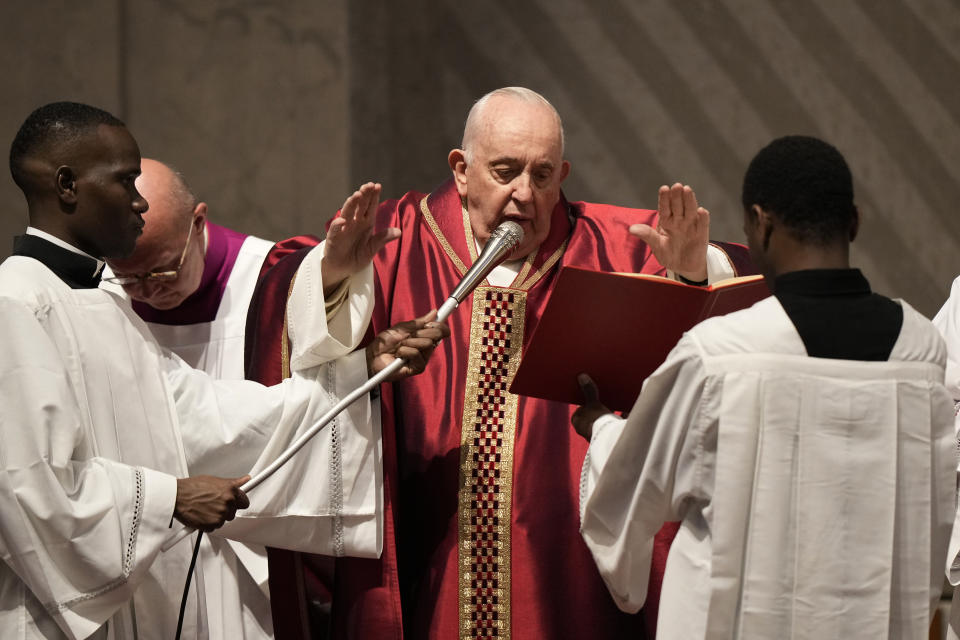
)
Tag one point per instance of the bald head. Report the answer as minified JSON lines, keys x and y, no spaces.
{"x":173,"y":237}
{"x":171,"y":209}
{"x":486,"y":112}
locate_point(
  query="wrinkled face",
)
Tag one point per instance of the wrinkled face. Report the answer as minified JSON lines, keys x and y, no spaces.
{"x":514,"y":171}
{"x":109,"y":209}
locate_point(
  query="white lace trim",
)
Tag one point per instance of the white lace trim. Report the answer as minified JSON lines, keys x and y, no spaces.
{"x":336,"y":469}
{"x":584,"y":470}
{"x":129,"y":556}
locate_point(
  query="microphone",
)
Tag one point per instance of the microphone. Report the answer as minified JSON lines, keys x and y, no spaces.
{"x":504,"y":238}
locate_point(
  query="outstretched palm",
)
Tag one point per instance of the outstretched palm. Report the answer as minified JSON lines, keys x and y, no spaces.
{"x":680,"y":240}
{"x":351,"y":241}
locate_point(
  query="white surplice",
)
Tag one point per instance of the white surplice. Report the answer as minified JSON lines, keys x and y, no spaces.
{"x":816,"y":495}
{"x":235,"y":574}
{"x":97,"y":422}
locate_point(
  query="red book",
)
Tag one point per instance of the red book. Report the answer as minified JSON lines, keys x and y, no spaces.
{"x":618,"y":328}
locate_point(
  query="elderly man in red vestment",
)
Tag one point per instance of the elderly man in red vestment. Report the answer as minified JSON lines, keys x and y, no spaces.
{"x":482,"y":537}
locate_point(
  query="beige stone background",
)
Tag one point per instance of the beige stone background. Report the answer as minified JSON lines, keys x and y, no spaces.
{"x":274,"y":110}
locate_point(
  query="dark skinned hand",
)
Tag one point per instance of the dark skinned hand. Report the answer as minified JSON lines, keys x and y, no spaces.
{"x":584,"y":417}
{"x":206,"y":502}
{"x":413,"y":340}
{"x":351,"y":239}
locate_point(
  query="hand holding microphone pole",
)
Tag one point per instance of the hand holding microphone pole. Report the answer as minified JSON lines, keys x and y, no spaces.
{"x":412,"y":341}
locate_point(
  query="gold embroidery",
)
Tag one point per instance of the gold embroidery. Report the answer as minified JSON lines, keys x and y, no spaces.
{"x":552,"y":260}
{"x":524,"y":270}
{"x":425,"y":210}
{"x":486,"y":463}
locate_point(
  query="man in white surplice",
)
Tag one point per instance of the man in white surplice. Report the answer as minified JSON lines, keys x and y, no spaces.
{"x":806,"y":443}
{"x":105,"y":434}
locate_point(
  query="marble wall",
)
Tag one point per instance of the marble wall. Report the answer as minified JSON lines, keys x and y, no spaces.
{"x":274,"y":110}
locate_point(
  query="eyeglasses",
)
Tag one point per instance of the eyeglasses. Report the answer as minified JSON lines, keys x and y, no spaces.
{"x":125,"y":280}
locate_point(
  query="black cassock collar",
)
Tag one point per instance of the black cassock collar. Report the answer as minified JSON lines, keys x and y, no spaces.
{"x":77,"y":271}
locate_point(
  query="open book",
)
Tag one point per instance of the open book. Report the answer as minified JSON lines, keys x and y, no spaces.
{"x":618,"y":328}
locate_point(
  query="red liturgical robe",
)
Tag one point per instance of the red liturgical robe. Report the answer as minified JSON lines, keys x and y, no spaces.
{"x":482,"y":534}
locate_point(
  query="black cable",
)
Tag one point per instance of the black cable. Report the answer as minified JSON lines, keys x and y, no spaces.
{"x":186,"y":587}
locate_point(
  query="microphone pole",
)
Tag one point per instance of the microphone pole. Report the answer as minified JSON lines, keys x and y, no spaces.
{"x":502,"y":241}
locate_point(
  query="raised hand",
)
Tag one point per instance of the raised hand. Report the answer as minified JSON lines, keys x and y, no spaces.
{"x":206,"y":502}
{"x":584,"y":417}
{"x":413,"y":340}
{"x":680,"y":240}
{"x":351,"y":241}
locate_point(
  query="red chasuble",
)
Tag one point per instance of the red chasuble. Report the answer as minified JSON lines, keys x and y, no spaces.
{"x":264,"y":354}
{"x":482,"y":537}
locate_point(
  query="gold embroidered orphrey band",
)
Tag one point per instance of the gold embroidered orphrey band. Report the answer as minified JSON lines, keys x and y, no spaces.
{"x":487,"y":434}
{"x":486,"y":462}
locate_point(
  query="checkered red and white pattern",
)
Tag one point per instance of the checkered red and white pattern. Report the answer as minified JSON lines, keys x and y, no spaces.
{"x":488,"y":577}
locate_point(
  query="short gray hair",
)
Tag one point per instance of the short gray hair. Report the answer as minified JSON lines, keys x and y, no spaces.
{"x":517,"y":93}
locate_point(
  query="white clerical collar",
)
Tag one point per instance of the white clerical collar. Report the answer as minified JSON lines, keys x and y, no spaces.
{"x":33,"y":231}
{"x":504,"y":273}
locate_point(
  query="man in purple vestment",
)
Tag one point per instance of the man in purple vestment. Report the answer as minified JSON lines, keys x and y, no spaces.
{"x":189,"y":279}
